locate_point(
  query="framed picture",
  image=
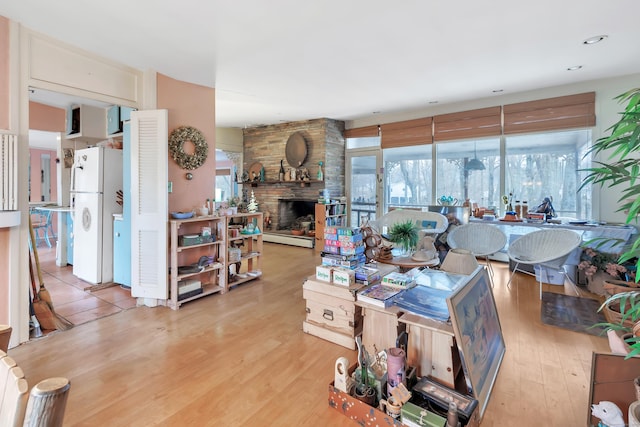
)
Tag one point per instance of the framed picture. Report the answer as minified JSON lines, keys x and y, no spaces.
{"x":478,"y":333}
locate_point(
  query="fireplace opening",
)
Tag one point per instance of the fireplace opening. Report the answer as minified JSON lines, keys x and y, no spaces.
{"x":292,"y":211}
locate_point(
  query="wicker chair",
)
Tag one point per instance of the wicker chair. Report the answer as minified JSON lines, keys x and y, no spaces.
{"x":545,"y":248}
{"x":482,"y":240}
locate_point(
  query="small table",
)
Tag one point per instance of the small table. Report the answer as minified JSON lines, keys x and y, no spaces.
{"x":407,"y":263}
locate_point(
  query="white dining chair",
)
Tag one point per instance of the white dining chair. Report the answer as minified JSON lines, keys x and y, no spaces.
{"x":482,"y":240}
{"x":547,"y":248}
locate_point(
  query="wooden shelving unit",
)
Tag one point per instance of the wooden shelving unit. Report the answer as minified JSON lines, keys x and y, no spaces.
{"x":302,"y":183}
{"x":329,"y":215}
{"x":215,"y":273}
{"x":250,"y":246}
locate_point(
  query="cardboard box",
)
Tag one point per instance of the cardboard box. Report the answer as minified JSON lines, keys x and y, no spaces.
{"x":324,"y":273}
{"x":344,"y":276}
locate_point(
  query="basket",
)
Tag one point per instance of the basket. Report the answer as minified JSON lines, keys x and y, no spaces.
{"x":612,"y":313}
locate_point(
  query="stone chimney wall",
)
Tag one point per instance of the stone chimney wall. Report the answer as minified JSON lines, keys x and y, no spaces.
{"x":267,"y":144}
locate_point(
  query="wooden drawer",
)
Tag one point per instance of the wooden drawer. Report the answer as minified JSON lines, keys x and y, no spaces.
{"x":333,"y":313}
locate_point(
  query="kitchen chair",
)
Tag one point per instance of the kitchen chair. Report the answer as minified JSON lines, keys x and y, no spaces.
{"x":544,"y":248}
{"x":41,"y":223}
{"x":482,"y":240}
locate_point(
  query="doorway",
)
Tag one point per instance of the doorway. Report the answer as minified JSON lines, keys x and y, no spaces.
{"x":364,"y":188}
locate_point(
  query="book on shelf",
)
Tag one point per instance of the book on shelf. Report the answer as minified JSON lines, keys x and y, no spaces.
{"x":190,"y":294}
{"x":378,"y":295}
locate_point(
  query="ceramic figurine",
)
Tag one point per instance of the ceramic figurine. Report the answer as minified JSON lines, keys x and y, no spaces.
{"x":608,"y":413}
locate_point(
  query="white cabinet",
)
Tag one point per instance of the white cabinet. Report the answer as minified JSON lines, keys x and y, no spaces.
{"x":86,"y":122}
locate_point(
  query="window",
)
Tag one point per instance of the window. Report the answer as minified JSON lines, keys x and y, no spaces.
{"x":547,"y":165}
{"x":225,"y":187}
{"x":457,"y":176}
{"x":407,"y":174}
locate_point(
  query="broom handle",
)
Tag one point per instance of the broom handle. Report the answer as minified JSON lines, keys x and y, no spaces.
{"x":33,"y":280}
{"x":35,"y":252}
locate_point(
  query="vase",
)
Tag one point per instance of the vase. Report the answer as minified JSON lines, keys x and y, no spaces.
{"x":595,"y":283}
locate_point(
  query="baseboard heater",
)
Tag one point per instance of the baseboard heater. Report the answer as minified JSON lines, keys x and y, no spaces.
{"x":288,"y":240}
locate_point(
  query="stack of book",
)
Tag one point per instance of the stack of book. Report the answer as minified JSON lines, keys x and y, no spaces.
{"x":379,"y":295}
{"x":188,"y":288}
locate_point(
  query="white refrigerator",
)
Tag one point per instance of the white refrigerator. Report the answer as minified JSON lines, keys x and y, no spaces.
{"x":96,"y":178}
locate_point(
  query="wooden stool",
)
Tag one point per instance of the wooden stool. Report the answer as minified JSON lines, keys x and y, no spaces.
{"x":5,"y":336}
{"x":47,"y":403}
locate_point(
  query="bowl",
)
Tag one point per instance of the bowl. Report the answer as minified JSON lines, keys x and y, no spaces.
{"x":181,"y":215}
{"x":297,"y":232}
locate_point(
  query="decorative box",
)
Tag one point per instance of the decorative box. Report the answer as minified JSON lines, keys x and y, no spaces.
{"x":324,"y":274}
{"x":344,"y":276}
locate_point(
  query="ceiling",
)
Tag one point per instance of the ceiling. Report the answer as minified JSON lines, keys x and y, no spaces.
{"x":284,"y":60}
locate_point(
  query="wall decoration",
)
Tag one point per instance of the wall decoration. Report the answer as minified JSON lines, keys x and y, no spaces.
{"x":296,"y":150}
{"x":176,"y":147}
{"x":68,"y":157}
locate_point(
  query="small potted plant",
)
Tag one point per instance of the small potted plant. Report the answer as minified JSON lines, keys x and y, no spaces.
{"x":405,"y":235}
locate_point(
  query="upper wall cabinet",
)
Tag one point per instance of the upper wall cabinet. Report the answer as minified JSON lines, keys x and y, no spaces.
{"x":116,"y":116}
{"x":86,"y":122}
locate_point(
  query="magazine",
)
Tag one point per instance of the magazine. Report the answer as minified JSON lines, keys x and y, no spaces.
{"x":379,"y":295}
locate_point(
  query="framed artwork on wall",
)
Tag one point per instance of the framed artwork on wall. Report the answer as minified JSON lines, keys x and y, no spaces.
{"x":478,"y":333}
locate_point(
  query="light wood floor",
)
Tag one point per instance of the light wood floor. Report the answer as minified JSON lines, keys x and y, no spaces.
{"x":241,"y":359}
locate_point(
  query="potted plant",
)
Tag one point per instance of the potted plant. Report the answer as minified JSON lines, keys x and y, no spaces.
{"x":622,"y":169}
{"x":405,"y":235}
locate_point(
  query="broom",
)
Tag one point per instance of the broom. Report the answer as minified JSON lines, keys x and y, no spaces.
{"x":61,"y":323}
{"x":41,"y":310}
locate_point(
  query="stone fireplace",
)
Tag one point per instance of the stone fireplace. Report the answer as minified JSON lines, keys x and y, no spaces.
{"x":290,"y":210}
{"x":266,"y":146}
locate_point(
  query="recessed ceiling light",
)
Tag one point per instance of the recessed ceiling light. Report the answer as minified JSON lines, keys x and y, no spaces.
{"x":574,"y":68}
{"x":595,"y":39}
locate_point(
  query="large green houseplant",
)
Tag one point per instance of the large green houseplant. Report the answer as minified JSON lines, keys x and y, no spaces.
{"x":405,"y":235}
{"x":622,"y":170}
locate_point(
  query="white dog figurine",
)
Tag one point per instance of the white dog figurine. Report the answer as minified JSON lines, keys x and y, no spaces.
{"x":609,"y":414}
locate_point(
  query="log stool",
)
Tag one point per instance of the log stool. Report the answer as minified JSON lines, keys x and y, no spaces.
{"x":47,"y":403}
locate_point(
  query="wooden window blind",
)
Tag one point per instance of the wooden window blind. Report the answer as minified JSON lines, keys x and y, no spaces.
{"x":405,"y":133}
{"x":564,"y":112}
{"x":467,"y":124}
{"x":362,"y":132}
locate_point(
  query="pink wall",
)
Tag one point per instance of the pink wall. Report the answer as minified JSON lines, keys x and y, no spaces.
{"x":46,"y":118}
{"x":4,"y":73}
{"x":189,"y":105}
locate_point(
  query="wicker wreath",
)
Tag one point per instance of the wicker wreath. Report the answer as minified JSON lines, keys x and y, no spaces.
{"x":176,"y":142}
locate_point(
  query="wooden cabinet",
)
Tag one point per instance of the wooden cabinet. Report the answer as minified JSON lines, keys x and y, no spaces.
{"x":86,"y":122}
{"x":328,"y":214}
{"x":244,"y":247}
{"x":187,"y":251}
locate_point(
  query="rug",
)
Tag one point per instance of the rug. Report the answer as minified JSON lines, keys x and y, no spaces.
{"x":573,"y":313}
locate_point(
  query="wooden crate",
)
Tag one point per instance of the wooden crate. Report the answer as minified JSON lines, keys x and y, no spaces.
{"x":357,"y":410}
{"x":331,"y":312}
